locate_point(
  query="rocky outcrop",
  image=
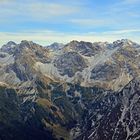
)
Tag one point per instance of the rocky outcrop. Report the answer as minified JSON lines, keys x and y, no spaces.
{"x":55,"y":46}
{"x":106,"y":72}
{"x":84,"y":48}
{"x":114,"y":116}
{"x":69,"y":63}
{"x":9,"y":47}
{"x":12,"y":126}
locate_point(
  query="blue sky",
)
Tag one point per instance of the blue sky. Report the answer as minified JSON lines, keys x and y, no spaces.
{"x":48,"y":21}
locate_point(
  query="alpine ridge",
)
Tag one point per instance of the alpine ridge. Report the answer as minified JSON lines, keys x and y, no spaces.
{"x":74,"y":91}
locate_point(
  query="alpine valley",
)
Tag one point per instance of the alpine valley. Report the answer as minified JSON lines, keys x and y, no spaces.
{"x":74,"y":91}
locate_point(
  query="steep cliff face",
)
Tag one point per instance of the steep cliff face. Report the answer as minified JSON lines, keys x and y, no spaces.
{"x":12,"y":125}
{"x":17,"y":66}
{"x":9,"y":47}
{"x":114,"y":116}
{"x":70,"y":63}
{"x":84,"y":48}
{"x":9,"y":104}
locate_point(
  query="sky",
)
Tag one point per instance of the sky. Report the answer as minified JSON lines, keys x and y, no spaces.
{"x":48,"y":21}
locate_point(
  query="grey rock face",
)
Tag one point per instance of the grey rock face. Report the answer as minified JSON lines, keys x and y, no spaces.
{"x":9,"y":47}
{"x":106,"y":72}
{"x":69,"y":63}
{"x":115,"y":115}
{"x":12,"y":126}
{"x":55,"y":46}
{"x":84,"y":48}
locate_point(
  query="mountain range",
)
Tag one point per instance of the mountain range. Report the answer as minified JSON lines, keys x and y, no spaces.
{"x":74,"y":91}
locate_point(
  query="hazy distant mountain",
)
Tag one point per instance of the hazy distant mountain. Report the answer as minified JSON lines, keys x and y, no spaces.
{"x":80,"y":90}
{"x":55,"y":46}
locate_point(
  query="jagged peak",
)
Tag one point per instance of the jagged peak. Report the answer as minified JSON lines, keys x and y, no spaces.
{"x":9,"y":47}
{"x":55,"y":46}
{"x":26,"y":41}
{"x":77,"y":42}
{"x":29,"y":44}
{"x":11,"y":43}
{"x":71,"y":43}
{"x":57,"y":43}
{"x":123,"y":41}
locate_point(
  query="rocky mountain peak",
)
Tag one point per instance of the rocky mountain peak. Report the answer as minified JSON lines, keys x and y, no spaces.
{"x":125,"y":42}
{"x":74,"y":42}
{"x":29,"y":44}
{"x":10,"y":43}
{"x":55,"y":46}
{"x":32,"y":50}
{"x":69,"y":63}
{"x":82,"y":47}
{"x":9,"y":47}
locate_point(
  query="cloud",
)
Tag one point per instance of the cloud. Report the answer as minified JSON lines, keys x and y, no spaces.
{"x":123,"y":31}
{"x":16,"y":12}
{"x":93,"y":22}
{"x":88,"y":22}
{"x":48,"y":37}
{"x":50,"y":10}
{"x":131,"y":1}
{"x":34,"y":10}
{"x":59,"y":11}
{"x":6,"y":1}
{"x":109,"y":21}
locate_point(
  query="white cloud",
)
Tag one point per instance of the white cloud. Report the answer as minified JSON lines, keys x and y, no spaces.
{"x":6,"y":1}
{"x":16,"y":14}
{"x":47,"y":37}
{"x":34,"y":10}
{"x":123,"y":31}
{"x":131,"y":1}
{"x":88,"y":22}
{"x":50,"y":10}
